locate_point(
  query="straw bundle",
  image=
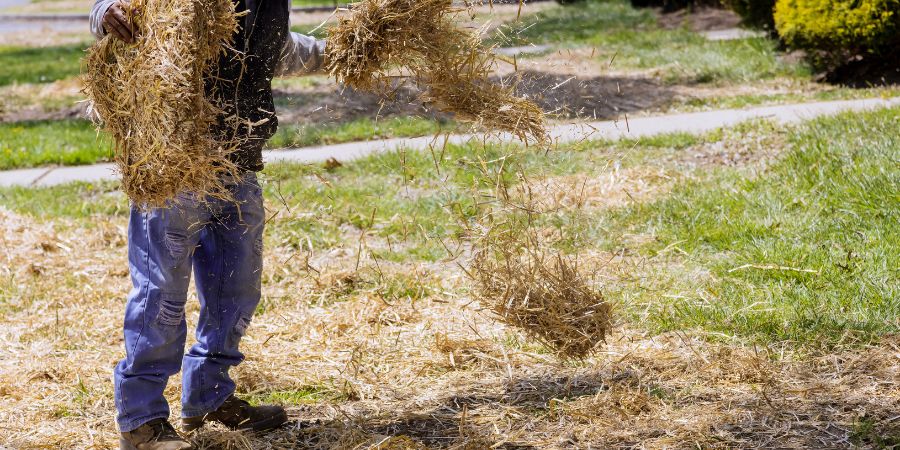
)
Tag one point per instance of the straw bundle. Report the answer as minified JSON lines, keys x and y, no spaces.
{"x":150,"y":97}
{"x":540,"y":291}
{"x":450,"y":64}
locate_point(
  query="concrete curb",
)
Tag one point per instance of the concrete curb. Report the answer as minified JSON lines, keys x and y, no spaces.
{"x":698,"y":122}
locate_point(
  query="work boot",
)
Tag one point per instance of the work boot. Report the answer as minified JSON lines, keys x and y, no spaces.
{"x":237,"y":414}
{"x":156,"y":434}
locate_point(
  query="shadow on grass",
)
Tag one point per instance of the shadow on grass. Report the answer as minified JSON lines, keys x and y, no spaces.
{"x":562,"y":96}
{"x":641,"y":403}
{"x":602,"y":97}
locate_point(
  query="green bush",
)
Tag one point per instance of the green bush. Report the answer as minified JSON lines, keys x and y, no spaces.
{"x":836,"y":29}
{"x":754,"y":13}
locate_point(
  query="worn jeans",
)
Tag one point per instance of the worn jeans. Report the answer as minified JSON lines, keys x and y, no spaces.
{"x":222,"y":242}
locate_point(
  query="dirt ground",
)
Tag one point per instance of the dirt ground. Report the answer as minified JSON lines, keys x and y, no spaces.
{"x":700,"y":19}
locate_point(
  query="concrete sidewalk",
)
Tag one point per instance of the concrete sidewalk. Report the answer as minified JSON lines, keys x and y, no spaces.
{"x":632,"y":128}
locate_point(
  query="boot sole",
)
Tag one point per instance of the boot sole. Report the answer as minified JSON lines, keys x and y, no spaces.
{"x":125,"y":445}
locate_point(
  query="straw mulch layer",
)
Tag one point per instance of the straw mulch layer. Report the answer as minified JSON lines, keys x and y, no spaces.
{"x":150,"y":97}
{"x":431,"y":372}
{"x":540,"y":291}
{"x":450,"y":63}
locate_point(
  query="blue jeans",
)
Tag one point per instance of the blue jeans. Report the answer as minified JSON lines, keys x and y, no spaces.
{"x":222,"y":242}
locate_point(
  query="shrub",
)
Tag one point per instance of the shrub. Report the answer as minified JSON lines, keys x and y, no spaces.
{"x":836,"y":29}
{"x":754,"y":13}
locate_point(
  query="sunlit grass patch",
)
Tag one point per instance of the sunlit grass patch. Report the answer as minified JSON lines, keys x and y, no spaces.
{"x":72,"y":200}
{"x":302,"y":395}
{"x":576,"y":24}
{"x":62,"y":142}
{"x":627,"y":38}
{"x":803,"y":252}
{"x":357,"y":130}
{"x":39,"y":64}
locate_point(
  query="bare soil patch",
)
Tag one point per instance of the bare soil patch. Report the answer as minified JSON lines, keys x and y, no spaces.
{"x":700,"y":19}
{"x":564,"y":96}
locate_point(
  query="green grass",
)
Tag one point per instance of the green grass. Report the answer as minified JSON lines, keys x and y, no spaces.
{"x":357,"y":130}
{"x":805,"y":252}
{"x":317,"y":3}
{"x":73,"y":200}
{"x":720,"y":248}
{"x":74,"y":142}
{"x":39,"y":64}
{"x":579,"y":24}
{"x":746,"y":100}
{"x":311,"y":29}
{"x":626,"y":38}
{"x":303,"y":395}
{"x":63,"y":142}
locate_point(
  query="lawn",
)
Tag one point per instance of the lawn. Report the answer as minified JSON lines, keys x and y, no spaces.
{"x":356,"y":130}
{"x":801,"y":253}
{"x":39,"y":64}
{"x":744,"y":263}
{"x":623,"y":37}
{"x":57,"y":142}
{"x":797,"y":251}
{"x":752,"y":270}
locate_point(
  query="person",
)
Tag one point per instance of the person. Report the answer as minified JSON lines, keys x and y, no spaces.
{"x":220,"y":240}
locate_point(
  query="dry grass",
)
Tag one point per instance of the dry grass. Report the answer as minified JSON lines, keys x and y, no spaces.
{"x":150,"y":97}
{"x":448,"y":62}
{"x":436,"y":372}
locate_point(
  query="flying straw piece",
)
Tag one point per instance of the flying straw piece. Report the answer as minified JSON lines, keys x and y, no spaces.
{"x":539,"y":290}
{"x":449,"y":63}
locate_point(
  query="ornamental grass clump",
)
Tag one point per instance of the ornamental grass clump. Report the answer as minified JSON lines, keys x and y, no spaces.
{"x":150,"y":97}
{"x":450,"y":64}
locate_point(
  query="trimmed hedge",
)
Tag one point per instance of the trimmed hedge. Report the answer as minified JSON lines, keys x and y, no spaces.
{"x":839,"y":28}
{"x":754,"y":13}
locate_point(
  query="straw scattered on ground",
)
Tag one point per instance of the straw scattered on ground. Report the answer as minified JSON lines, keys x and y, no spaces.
{"x":432,"y":373}
{"x":150,"y":97}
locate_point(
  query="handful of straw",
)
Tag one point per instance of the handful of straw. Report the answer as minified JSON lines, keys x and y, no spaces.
{"x":150,"y":97}
{"x":450,"y":63}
